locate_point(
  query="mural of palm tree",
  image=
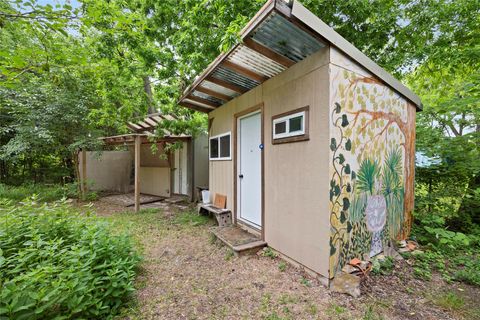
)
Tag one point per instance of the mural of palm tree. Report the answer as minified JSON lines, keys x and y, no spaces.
{"x":394,"y":192}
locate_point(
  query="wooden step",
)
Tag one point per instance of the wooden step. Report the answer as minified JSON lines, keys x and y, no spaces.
{"x":239,"y":240}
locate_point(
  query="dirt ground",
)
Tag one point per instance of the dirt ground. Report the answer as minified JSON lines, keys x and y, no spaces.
{"x":186,"y":274}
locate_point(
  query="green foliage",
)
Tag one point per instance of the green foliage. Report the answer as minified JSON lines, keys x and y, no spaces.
{"x":269,"y":253}
{"x":383,"y":266}
{"x":57,"y":263}
{"x":282,"y":266}
{"x":454,"y":254}
{"x":43,"y":192}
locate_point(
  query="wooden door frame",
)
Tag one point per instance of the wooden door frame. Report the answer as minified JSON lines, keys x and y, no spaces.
{"x":257,"y":108}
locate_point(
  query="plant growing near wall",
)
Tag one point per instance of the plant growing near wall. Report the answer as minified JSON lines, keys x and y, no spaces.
{"x":56,"y":263}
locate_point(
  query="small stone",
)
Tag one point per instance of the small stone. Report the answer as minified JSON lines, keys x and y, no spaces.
{"x":347,"y":284}
{"x":349,"y":269}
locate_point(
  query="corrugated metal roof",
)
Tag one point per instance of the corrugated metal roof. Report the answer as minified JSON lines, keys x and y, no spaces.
{"x":215,"y":87}
{"x":233,"y":77}
{"x":285,"y":38}
{"x":280,"y":35}
{"x":256,"y":62}
{"x":207,"y":97}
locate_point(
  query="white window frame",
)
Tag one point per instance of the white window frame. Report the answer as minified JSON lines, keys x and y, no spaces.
{"x":219,"y":147}
{"x":287,"y":132}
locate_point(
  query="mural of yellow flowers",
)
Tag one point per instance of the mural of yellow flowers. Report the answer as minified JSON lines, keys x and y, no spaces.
{"x":372,"y":148}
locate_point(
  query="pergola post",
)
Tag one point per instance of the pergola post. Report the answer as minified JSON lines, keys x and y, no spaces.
{"x":137,"y":172}
{"x":83,"y":178}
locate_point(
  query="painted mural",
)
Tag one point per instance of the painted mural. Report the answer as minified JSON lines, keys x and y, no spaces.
{"x":372,"y":132}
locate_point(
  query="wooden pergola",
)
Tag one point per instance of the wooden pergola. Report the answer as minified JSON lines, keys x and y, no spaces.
{"x":143,"y":135}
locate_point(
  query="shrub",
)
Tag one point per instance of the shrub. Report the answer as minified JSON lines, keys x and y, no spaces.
{"x":57,"y":263}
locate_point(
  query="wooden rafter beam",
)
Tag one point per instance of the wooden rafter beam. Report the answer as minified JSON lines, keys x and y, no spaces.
{"x":226,"y":84}
{"x":202,"y":101}
{"x":269,"y":53}
{"x":195,"y":107}
{"x":244,"y":71}
{"x":213,"y":93}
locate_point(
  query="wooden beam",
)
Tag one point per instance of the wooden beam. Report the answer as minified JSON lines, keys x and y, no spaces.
{"x":215,"y":94}
{"x":84,"y":174}
{"x":137,"y":172}
{"x":226,"y":84}
{"x":269,"y":53}
{"x":195,"y":107}
{"x":244,"y":71}
{"x":203,"y":101}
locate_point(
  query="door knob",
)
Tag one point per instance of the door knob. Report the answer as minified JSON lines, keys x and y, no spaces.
{"x":240,"y":176}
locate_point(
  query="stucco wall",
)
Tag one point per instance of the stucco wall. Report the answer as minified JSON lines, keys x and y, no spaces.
{"x":155,"y":181}
{"x":296,"y":174}
{"x":200,"y":158}
{"x":372,"y":151}
{"x":108,"y":170}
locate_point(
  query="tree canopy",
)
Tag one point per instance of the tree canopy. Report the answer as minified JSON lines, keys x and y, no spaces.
{"x":70,"y":73}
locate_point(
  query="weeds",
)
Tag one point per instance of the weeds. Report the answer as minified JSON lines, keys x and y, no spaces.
{"x":282,"y":266}
{"x":56,"y":263}
{"x":269,"y":253}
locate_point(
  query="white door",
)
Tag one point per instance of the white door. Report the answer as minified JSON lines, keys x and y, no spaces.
{"x":180,"y":173}
{"x":249,"y":170}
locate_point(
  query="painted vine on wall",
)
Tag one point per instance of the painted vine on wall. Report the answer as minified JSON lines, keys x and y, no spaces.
{"x":372,"y":150}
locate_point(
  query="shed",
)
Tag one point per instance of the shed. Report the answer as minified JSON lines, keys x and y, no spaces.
{"x":312,"y":142}
{"x":163,"y":173}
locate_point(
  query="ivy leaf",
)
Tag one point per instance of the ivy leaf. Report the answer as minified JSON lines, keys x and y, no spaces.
{"x":348,"y":145}
{"x":341,"y":158}
{"x":337,"y":190}
{"x":354,"y":175}
{"x":333,"y":144}
{"x":338,"y":107}
{"x":344,"y":120}
{"x":346,"y":203}
{"x":349,"y":187}
{"x":349,"y":227}
{"x":347,"y":169}
{"x":343,"y":217}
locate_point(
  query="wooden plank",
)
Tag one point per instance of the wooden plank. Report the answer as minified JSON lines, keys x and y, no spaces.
{"x":195,"y":107}
{"x":244,"y":71}
{"x":137,"y":173}
{"x":215,"y":94}
{"x":226,"y":84}
{"x":203,"y":101}
{"x":84,"y":174}
{"x":220,"y":201}
{"x":269,"y":53}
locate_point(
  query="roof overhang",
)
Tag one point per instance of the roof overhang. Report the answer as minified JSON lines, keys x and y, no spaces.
{"x":145,"y":138}
{"x":279,"y":35}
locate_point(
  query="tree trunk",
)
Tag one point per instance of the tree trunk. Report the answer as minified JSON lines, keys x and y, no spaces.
{"x":147,"y":86}
{"x":409,"y":167}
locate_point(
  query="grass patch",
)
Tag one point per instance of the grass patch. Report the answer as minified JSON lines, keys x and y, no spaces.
{"x":42,"y":192}
{"x":449,"y":301}
{"x":190,"y":218}
{"x":282,"y":266}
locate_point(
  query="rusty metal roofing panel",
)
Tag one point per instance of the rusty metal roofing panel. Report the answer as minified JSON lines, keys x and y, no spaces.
{"x":235,"y":78}
{"x":207,"y":97}
{"x":254,"y":61}
{"x":285,"y":38}
{"x":215,"y":87}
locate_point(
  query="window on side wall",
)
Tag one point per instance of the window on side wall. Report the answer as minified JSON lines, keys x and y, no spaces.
{"x":290,"y":126}
{"x":220,"y":147}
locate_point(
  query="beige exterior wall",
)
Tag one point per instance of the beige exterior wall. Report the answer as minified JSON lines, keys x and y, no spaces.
{"x":296,"y":174}
{"x":372,"y":150}
{"x":108,"y":170}
{"x":155,"y":181}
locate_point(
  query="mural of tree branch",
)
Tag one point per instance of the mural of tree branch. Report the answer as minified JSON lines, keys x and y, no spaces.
{"x":372,"y":152}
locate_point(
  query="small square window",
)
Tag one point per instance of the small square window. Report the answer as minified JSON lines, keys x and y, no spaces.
{"x":220,"y":147}
{"x":213,"y":148}
{"x":225,"y":146}
{"x":290,"y":126}
{"x":280,"y":127}
{"x":295,"y":124}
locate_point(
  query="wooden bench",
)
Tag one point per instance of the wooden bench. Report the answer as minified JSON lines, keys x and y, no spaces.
{"x":223,"y":216}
